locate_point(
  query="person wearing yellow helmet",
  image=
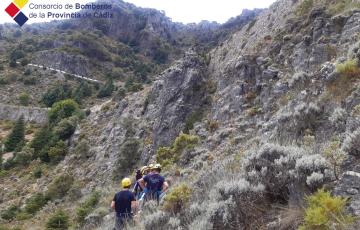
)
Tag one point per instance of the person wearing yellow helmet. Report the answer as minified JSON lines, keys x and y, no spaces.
{"x":144,"y":170}
{"x":137,"y":190}
{"x":123,"y":203}
{"x":150,"y":167}
{"x":153,"y":184}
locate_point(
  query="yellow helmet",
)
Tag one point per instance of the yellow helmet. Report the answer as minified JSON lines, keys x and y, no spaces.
{"x":151,"y":166}
{"x":144,"y":169}
{"x":157,"y":166}
{"x":126,"y":182}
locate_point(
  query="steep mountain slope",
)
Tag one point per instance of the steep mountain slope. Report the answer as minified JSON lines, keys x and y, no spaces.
{"x":243,"y":131}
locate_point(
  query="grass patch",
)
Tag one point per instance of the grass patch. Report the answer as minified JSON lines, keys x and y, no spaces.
{"x":340,"y":6}
{"x":342,"y":87}
{"x":349,"y":68}
{"x":304,"y":8}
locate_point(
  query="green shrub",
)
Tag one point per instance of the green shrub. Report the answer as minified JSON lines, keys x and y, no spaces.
{"x":87,"y":207}
{"x":132,"y":86}
{"x":35,"y":203}
{"x":29,"y":81}
{"x":24,"y":157}
{"x":24,"y":62}
{"x":82,"y":149}
{"x":4,"y":81}
{"x":349,"y":68}
{"x":10,"y":213}
{"x":120,"y":94}
{"x":23,"y":216}
{"x":27,"y":72}
{"x":16,"y":137}
{"x":59,"y":187}
{"x":10,"y":163}
{"x":184,"y":141}
{"x":44,"y":155}
{"x":58,"y":221}
{"x":178,"y":198}
{"x":66,"y":127}
{"x":63,"y":109}
{"x":16,"y":54}
{"x":24,"y":99}
{"x":325,"y":212}
{"x":165,"y":156}
{"x":37,"y":172}
{"x":170,"y":155}
{"x":191,"y":119}
{"x":58,"y":152}
{"x":12,"y":63}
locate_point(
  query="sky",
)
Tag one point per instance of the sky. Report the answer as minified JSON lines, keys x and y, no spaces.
{"x":186,"y":11}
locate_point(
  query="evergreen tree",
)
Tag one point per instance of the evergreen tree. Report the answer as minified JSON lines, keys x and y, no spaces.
{"x":107,"y":89}
{"x":16,"y":136}
{"x":59,"y":220}
{"x":56,"y":94}
{"x":41,"y":140}
{"x":82,"y":91}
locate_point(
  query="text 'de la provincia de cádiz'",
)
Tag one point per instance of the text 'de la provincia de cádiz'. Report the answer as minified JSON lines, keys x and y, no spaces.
{"x":53,"y":11}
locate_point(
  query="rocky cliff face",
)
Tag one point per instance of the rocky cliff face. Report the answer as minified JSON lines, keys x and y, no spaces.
{"x":69,"y":63}
{"x":30,"y":114}
{"x":271,"y":109}
{"x":180,"y":91}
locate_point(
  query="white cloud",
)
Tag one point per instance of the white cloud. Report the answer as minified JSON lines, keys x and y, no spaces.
{"x":185,"y":11}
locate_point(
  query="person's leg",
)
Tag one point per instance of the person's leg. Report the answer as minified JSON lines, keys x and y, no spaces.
{"x":119,"y":223}
{"x":128,"y":221}
{"x":139,"y":195}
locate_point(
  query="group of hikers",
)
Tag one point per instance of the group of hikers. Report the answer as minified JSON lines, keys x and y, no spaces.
{"x":150,"y":185}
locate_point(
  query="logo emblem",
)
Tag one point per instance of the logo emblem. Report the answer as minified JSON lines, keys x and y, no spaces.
{"x":14,"y":11}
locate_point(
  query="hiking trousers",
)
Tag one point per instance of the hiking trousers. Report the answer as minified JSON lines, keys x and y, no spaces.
{"x":120,"y":221}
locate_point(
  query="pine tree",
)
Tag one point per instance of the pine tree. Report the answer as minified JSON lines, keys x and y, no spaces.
{"x":107,"y":89}
{"x":41,"y":140}
{"x":16,"y":136}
